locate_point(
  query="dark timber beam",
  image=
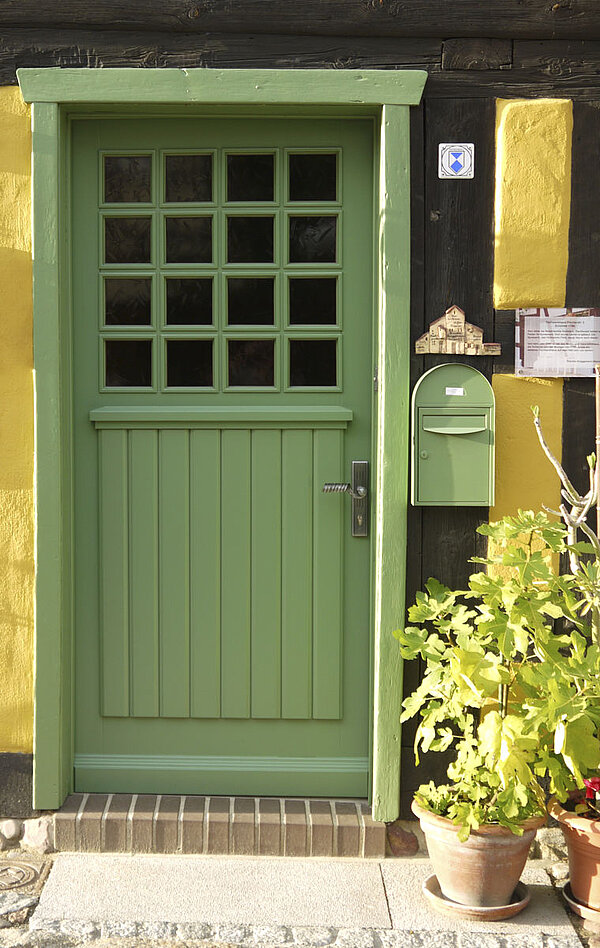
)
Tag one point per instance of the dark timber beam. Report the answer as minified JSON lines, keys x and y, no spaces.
{"x":96,"y":48}
{"x":532,"y":19}
{"x":477,"y":54}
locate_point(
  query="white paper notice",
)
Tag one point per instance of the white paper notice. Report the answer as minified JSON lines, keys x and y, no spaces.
{"x":557,"y":343}
{"x":455,"y":391}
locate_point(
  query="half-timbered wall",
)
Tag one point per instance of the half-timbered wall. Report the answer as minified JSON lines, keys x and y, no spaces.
{"x":533,"y":50}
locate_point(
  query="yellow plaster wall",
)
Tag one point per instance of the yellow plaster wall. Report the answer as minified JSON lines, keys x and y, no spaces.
{"x":524,"y":476}
{"x":532,"y":203}
{"x":16,"y":427}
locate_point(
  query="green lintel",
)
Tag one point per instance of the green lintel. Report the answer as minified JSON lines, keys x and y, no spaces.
{"x":222,"y":86}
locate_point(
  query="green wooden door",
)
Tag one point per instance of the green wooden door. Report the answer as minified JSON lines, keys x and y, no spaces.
{"x":222,"y":287}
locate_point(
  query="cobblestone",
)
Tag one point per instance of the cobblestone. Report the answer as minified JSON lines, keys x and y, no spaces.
{"x":234,"y":934}
{"x":151,"y":936}
{"x":314,"y":937}
{"x":352,"y":939}
{"x":403,"y":939}
{"x":185,"y":931}
{"x":275,"y":935}
{"x":14,"y":901}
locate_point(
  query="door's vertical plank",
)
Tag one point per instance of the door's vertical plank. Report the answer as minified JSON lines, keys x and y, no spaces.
{"x":143,"y":571}
{"x":205,"y":572}
{"x":174,"y":570}
{"x":235,"y":573}
{"x":114,"y":573}
{"x":266,"y":574}
{"x":330,"y":522}
{"x":296,"y":632}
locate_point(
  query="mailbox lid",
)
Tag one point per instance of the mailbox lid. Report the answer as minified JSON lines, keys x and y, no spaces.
{"x":453,"y":385}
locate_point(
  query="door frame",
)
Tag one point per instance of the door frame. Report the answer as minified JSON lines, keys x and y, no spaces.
{"x":57,"y":94}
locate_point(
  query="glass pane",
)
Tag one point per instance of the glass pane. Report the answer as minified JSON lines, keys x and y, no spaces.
{"x":189,"y":362}
{"x":127,"y":178}
{"x":250,"y":177}
{"x":251,"y":361}
{"x":312,"y":239}
{"x":313,"y":302}
{"x":127,"y":302}
{"x":250,"y":301}
{"x":188,"y":178}
{"x":313,"y":177}
{"x":250,"y":239}
{"x":189,"y":302}
{"x":189,"y":239}
{"x":312,"y":362}
{"x":128,"y":362}
{"x":127,"y":239}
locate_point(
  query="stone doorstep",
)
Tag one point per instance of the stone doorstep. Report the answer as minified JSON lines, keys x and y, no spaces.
{"x":270,"y":826}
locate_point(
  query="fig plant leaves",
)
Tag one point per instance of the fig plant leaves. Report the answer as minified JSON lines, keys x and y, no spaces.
{"x":512,"y":677}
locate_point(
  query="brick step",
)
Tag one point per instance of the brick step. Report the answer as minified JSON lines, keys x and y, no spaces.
{"x":269,"y":826}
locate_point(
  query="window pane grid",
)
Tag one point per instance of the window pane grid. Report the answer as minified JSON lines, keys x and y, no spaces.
{"x":229,"y":278}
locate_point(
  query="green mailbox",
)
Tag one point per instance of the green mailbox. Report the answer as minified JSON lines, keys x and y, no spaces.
{"x":453,"y":438}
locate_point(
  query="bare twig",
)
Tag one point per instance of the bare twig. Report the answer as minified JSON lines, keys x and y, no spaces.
{"x":556,"y":464}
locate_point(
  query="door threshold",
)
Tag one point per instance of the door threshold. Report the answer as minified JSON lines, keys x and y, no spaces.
{"x":248,"y":826}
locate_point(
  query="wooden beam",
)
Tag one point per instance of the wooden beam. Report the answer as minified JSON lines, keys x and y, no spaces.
{"x":570,"y":61}
{"x":584,"y":231}
{"x":117,"y":48}
{"x":496,"y":18}
{"x":477,"y":54}
{"x":509,"y":84}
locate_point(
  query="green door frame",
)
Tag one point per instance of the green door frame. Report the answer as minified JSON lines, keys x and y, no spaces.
{"x":57,"y":94}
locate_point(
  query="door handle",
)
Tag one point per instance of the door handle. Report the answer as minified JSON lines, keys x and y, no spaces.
{"x":358,"y":490}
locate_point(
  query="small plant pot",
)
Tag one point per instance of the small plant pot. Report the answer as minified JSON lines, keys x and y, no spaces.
{"x":484,"y":870}
{"x":582,"y":837}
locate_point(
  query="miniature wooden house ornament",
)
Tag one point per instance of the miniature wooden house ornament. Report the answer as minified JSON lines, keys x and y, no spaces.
{"x":453,"y":335}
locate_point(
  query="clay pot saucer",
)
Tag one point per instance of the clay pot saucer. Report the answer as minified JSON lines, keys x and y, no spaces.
{"x":478,"y":913}
{"x":590,"y":916}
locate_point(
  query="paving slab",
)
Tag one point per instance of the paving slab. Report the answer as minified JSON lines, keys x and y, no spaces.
{"x":545,"y":914}
{"x":333,"y":893}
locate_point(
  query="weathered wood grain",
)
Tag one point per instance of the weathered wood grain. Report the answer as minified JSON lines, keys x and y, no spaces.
{"x":452,"y":248}
{"x":583,"y":272}
{"x":110,"y":48}
{"x":459,"y":237}
{"x":510,"y":83}
{"x":578,"y":433}
{"x":556,"y":59}
{"x":539,"y":68}
{"x":496,"y":18}
{"x":504,"y":333}
{"x":477,"y":54}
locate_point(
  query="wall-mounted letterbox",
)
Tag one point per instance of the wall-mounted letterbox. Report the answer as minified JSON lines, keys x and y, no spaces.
{"x":453,"y":438}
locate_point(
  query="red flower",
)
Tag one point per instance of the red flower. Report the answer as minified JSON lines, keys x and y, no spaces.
{"x":593,"y":787}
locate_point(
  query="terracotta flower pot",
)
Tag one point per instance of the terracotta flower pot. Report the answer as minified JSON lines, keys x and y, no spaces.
{"x":484,"y":870}
{"x":582,"y":837}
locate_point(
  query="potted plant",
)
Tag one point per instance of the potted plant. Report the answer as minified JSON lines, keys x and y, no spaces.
{"x":578,"y":813}
{"x":503,"y":689}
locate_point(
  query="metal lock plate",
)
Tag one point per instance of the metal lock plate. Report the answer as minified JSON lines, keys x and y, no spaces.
{"x":360,"y":505}
{"x":359,"y":492}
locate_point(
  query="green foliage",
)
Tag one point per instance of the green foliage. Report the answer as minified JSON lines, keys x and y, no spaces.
{"x":512,"y":678}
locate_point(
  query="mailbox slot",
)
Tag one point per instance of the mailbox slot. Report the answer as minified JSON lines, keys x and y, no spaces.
{"x":453,"y":424}
{"x":453,"y":438}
